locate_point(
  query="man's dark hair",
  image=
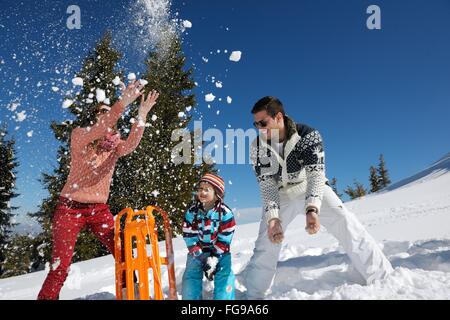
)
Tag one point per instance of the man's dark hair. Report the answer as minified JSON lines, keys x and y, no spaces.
{"x":271,"y":105}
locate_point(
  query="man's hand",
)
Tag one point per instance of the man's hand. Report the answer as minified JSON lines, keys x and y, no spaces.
{"x":312,"y":221}
{"x":130,"y":93}
{"x":147,"y":104}
{"x":275,"y":231}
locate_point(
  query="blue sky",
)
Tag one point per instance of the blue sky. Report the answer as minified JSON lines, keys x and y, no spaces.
{"x":367,"y":91}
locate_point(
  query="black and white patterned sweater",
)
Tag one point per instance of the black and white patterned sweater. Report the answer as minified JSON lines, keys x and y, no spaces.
{"x":301,"y":169}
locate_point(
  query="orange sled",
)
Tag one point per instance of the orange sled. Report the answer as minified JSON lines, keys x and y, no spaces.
{"x":139,"y":229}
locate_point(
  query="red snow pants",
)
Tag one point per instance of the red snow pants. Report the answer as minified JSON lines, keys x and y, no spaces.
{"x":69,"y":219}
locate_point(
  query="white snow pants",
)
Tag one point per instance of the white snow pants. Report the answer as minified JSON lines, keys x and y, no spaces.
{"x":365,"y":254}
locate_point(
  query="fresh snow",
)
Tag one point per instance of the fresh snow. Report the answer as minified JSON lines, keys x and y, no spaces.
{"x":143,"y":82}
{"x":100,"y":95}
{"x":21,"y":116}
{"x":235,"y":56}
{"x":13,"y":106}
{"x":116,"y":81}
{"x":410,"y":220}
{"x":77,"y":81}
{"x":67,"y":103}
{"x":187,"y":24}
{"x":209,"y":97}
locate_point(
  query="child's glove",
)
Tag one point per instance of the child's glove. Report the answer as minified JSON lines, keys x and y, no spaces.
{"x":210,"y":267}
{"x":200,"y":257}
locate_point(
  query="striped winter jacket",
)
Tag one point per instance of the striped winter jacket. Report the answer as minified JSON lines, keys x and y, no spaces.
{"x":208,"y":231}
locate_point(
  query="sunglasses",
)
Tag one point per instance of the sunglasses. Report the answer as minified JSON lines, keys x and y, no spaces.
{"x":262,"y":123}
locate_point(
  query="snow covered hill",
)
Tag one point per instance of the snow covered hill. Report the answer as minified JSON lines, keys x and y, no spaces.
{"x":410,"y":219}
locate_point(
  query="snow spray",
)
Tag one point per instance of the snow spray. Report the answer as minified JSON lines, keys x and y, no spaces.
{"x":152,"y":25}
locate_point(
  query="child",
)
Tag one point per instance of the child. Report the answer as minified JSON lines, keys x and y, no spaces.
{"x":208,"y":230}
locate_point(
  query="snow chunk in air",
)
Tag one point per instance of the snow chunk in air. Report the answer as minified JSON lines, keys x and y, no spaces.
{"x":100,"y":95}
{"x":77,"y":81}
{"x":235,"y":56}
{"x":187,"y":24}
{"x":209,"y":97}
{"x":116,"y":81}
{"x":67,"y":103}
{"x":21,"y":116}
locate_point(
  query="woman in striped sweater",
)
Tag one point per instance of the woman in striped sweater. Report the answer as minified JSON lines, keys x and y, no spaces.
{"x":208,"y":230}
{"x":82,"y":204}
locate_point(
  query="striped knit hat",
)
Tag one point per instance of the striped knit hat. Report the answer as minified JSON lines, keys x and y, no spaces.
{"x":216,"y":181}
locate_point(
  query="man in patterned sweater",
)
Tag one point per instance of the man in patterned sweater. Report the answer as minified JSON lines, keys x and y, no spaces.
{"x":288,"y":160}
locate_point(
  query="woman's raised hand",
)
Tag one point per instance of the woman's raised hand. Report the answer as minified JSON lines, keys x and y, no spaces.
{"x":147,"y":104}
{"x":132,"y":92}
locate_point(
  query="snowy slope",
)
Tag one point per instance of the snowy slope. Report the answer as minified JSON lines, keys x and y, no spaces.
{"x":411,"y":220}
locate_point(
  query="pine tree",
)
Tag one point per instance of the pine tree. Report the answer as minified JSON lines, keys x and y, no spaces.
{"x":333,"y":185}
{"x":374,"y":180}
{"x":8,"y":164}
{"x":383,"y":173}
{"x":18,"y":256}
{"x":98,"y":71}
{"x":148,"y":176}
{"x":358,"y":191}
